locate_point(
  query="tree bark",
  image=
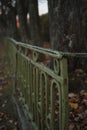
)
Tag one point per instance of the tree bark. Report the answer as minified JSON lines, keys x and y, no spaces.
{"x":11,"y":23}
{"x":22,"y":9}
{"x":34,"y":23}
{"x":65,"y":17}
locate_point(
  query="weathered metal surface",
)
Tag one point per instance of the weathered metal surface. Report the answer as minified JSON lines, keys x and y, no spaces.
{"x":41,"y":79}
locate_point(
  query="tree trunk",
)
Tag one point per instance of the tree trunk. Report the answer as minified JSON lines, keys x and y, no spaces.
{"x":22,"y":10}
{"x":34,"y":23}
{"x":11,"y":23}
{"x":65,"y":17}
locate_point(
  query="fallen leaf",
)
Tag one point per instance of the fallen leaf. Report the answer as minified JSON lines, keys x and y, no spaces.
{"x":78,"y":71}
{"x":85,"y":101}
{"x":85,"y":95}
{"x":73,"y":105}
{"x":71,"y":95}
{"x":71,"y":126}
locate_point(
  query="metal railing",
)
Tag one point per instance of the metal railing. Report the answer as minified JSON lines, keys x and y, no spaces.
{"x":41,"y":83}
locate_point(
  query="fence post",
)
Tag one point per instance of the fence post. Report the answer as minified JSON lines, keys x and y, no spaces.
{"x":64,"y":89}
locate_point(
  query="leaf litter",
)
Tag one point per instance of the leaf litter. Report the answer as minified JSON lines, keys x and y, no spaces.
{"x":78,"y":102}
{"x":8,"y":119}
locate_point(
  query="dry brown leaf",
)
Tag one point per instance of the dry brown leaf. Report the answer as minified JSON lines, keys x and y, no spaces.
{"x":71,"y":126}
{"x":71,"y":95}
{"x":73,"y":105}
{"x":85,"y":101}
{"x":85,"y":95}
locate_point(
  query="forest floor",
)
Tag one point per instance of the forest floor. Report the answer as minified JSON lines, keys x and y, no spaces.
{"x":78,"y":99}
{"x":8,"y":115}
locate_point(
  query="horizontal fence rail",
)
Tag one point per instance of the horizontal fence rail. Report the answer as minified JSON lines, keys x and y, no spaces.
{"x":41,"y":79}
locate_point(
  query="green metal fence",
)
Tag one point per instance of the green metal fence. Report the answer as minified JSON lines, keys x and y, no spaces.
{"x":40,"y":80}
{"x":40,"y":77}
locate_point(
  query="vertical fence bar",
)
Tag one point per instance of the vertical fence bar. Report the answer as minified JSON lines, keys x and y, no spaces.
{"x":64,"y":88}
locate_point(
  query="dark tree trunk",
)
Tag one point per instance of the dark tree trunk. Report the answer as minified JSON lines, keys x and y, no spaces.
{"x":11,"y":23}
{"x":65,"y":17}
{"x":22,"y":9}
{"x":34,"y":23}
